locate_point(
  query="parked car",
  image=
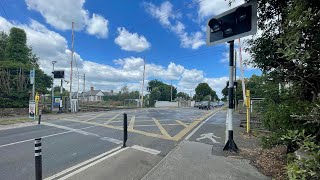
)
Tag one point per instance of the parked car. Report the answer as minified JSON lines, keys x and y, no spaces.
{"x":204,"y":105}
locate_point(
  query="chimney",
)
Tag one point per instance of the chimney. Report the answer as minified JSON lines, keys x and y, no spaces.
{"x":91,"y":88}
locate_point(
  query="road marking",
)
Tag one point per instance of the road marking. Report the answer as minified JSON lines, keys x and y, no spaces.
{"x":196,"y":129}
{"x":51,"y":135}
{"x":116,"y":141}
{"x":69,"y":129}
{"x":154,"y":125}
{"x":209,"y":136}
{"x":82,"y":164}
{"x":112,"y":119}
{"x":95,"y":117}
{"x":183,"y":124}
{"x":147,"y":150}
{"x":91,"y":164}
{"x":132,"y":122}
{"x":163,"y":131}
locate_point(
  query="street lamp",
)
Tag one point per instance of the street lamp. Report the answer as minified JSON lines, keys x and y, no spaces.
{"x":52,"y":89}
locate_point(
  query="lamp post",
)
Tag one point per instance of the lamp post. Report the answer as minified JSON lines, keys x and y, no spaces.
{"x":52,"y":88}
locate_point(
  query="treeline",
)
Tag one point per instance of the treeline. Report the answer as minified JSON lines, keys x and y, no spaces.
{"x":16,"y":61}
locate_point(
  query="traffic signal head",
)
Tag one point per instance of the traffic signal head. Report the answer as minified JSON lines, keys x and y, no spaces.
{"x":58,"y":74}
{"x":238,"y":22}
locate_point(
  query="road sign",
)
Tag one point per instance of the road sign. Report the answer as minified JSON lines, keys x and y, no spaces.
{"x":32,"y":75}
{"x":233,"y":24}
{"x":32,"y":109}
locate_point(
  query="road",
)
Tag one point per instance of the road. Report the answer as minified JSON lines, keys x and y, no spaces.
{"x":69,"y":141}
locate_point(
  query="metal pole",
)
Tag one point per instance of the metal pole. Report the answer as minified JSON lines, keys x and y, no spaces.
{"x":144,"y":70}
{"x":38,"y":158}
{"x":84,"y":86}
{"x":61,"y":89}
{"x":52,"y":89}
{"x":72,"y":50}
{"x":235,"y":79}
{"x":33,"y":85}
{"x":125,"y":130}
{"x":230,"y":145}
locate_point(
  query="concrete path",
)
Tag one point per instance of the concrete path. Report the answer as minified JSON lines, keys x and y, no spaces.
{"x":194,"y":160}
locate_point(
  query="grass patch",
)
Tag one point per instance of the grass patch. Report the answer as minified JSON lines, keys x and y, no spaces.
{"x":14,"y":121}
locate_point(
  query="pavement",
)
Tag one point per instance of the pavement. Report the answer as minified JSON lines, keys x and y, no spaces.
{"x":165,"y":143}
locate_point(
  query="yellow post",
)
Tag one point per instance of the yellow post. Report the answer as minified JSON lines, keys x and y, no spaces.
{"x":37,"y":98}
{"x":248,"y":102}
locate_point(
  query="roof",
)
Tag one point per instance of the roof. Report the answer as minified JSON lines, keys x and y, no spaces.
{"x":93,"y":92}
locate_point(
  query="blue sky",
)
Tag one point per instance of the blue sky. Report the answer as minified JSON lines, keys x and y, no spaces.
{"x":112,"y":38}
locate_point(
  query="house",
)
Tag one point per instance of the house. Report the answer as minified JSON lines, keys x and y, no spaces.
{"x":91,"y":96}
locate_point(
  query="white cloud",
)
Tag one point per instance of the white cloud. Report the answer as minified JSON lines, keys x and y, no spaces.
{"x":213,"y":7}
{"x":61,"y":13}
{"x":168,"y":19}
{"x":97,"y":25}
{"x":131,"y":41}
{"x":49,"y":45}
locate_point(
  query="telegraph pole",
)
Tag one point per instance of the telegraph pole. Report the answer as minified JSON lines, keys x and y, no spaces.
{"x":72,"y":51}
{"x":144,"y":70}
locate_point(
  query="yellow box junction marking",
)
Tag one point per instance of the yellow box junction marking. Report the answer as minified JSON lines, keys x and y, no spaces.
{"x":183,"y":124}
{"x":164,"y":134}
{"x":94,"y":117}
{"x":163,"y":131}
{"x":112,"y":119}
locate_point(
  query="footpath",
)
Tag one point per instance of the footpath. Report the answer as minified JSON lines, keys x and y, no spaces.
{"x":200,"y":155}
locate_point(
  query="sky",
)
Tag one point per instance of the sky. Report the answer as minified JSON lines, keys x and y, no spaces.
{"x":112,"y":39}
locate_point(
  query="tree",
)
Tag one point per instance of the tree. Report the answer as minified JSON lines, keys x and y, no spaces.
{"x":16,"y":48}
{"x":288,"y":49}
{"x":203,"y":89}
{"x":160,"y":91}
{"x":16,"y":60}
{"x":3,"y":45}
{"x":183,"y":95}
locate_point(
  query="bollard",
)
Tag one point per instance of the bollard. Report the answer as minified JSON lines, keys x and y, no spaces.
{"x":125,"y":130}
{"x":38,"y":160}
{"x":39,"y":120}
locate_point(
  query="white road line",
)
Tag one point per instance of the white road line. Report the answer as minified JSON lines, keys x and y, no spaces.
{"x":92,"y":164}
{"x":82,"y":164}
{"x":147,"y":150}
{"x":196,"y":129}
{"x":68,"y":128}
{"x":116,"y":141}
{"x":51,"y":135}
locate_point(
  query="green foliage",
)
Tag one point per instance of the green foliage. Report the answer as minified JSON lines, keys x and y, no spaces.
{"x":203,"y":89}
{"x":16,"y":61}
{"x":288,"y":49}
{"x":16,"y":48}
{"x":160,"y":91}
{"x":183,"y":95}
{"x":307,"y":166}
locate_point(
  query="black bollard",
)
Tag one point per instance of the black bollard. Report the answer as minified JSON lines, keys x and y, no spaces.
{"x":38,"y":158}
{"x":39,"y":120}
{"x":125,"y":130}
